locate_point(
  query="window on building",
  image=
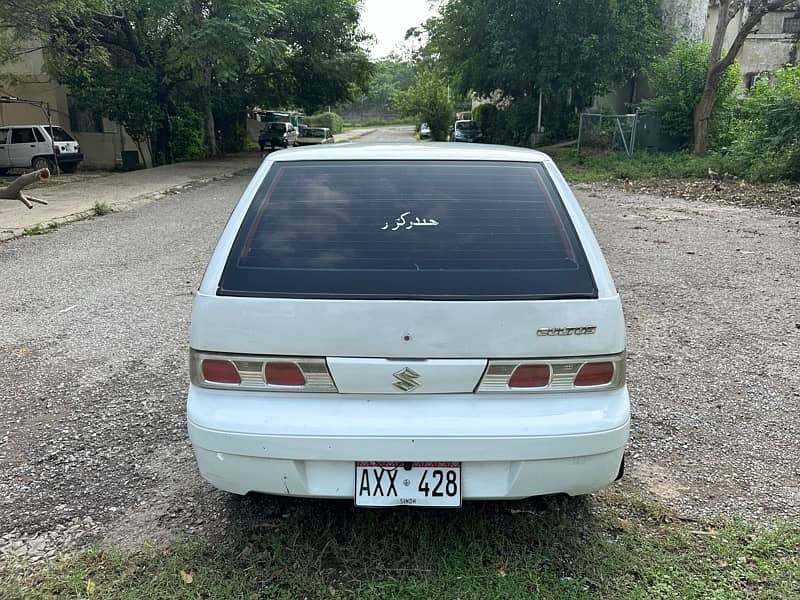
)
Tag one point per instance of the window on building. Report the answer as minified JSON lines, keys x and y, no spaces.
{"x":752,"y":79}
{"x":791,"y":25}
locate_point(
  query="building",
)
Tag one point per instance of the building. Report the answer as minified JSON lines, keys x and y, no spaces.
{"x":102,"y":141}
{"x":771,"y":46}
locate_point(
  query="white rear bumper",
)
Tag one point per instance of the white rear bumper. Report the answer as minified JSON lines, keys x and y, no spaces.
{"x":509,"y":447}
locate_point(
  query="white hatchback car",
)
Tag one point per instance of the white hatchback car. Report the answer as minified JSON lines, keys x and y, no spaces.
{"x":408,"y":324}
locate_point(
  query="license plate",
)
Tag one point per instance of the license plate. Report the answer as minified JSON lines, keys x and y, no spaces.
{"x":408,"y":484}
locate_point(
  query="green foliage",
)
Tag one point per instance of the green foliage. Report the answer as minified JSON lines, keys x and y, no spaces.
{"x":390,"y":75}
{"x":767,"y":136}
{"x":427,"y":100}
{"x":325,"y":63}
{"x":677,"y":80}
{"x":642,"y":165}
{"x":487,"y":117}
{"x":327,"y":119}
{"x":101,"y":209}
{"x":576,"y":47}
{"x":188,"y":135}
{"x":138,"y":61}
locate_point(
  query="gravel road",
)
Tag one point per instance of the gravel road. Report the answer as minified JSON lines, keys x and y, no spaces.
{"x":93,"y":340}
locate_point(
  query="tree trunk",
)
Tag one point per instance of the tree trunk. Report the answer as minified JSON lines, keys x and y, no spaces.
{"x":211,"y":130}
{"x":702,"y":115}
{"x":14,"y":190}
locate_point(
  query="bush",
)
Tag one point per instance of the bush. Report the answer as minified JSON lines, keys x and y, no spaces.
{"x":766,"y":142}
{"x":327,"y":119}
{"x":677,"y":81}
{"x":488,"y":119}
{"x":188,"y":135}
{"x":427,"y":101}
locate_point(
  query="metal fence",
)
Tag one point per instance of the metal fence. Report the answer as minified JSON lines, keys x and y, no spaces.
{"x":608,"y":132}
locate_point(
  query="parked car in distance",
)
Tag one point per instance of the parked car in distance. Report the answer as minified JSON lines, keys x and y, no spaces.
{"x":277,"y":134}
{"x":424,"y":131}
{"x":414,"y":326}
{"x":466,"y":131}
{"x":38,"y":147}
{"x":313,"y":136}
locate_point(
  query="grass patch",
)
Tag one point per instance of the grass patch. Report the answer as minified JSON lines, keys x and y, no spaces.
{"x":102,"y":208}
{"x":553,"y":548}
{"x":41,"y":229}
{"x":642,"y":165}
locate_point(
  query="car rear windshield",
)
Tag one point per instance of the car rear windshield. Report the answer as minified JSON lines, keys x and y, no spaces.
{"x":59,"y":135}
{"x":407,"y":230}
{"x":277,"y":127}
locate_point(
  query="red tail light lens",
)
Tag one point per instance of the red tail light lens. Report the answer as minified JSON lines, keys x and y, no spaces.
{"x":598,"y":373}
{"x":220,"y":371}
{"x":283,"y":373}
{"x":530,"y":376}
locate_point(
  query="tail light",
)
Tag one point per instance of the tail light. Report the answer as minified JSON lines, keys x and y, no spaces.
{"x":265,"y":373}
{"x":599,"y":373}
{"x":530,"y":376}
{"x":554,"y":375}
{"x":220,"y":371}
{"x":283,"y":373}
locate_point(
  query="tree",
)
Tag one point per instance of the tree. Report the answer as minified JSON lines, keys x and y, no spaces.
{"x":427,"y":100}
{"x":728,"y":10}
{"x":139,"y":61}
{"x":677,"y":84}
{"x":567,"y":49}
{"x":390,"y":75}
{"x":325,"y":63}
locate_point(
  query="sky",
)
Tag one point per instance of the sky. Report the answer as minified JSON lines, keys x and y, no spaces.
{"x":388,"y":21}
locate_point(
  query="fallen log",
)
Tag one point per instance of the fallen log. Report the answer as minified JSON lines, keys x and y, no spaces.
{"x":14,"y":190}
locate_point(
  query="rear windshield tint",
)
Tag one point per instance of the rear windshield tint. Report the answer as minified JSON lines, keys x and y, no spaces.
{"x":407,"y":230}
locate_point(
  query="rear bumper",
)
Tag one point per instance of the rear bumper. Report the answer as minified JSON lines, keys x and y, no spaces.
{"x":70,"y":157}
{"x":509,"y":447}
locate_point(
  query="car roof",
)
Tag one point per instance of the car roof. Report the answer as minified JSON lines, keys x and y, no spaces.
{"x":29,"y":125}
{"x":411,"y":151}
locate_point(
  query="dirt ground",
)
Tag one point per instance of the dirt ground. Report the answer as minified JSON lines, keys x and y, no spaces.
{"x":93,"y":376}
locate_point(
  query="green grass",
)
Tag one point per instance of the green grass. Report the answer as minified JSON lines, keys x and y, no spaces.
{"x":40,"y":229}
{"x":559,"y":549}
{"x":642,"y":165}
{"x":102,"y":208}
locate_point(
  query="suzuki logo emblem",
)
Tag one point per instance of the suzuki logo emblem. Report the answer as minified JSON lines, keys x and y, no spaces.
{"x":406,"y":379}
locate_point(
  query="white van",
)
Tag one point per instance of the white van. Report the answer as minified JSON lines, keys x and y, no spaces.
{"x":38,"y":147}
{"x":408,"y":324}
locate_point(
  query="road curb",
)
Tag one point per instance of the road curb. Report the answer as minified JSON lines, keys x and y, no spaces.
{"x":121,"y":206}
